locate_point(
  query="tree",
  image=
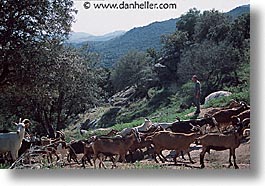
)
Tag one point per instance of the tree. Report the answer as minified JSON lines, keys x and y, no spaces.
{"x":25,"y":24}
{"x":187,"y":22}
{"x":211,"y":25}
{"x":240,"y":31}
{"x":132,"y":69}
{"x":61,"y":85}
{"x":208,"y":61}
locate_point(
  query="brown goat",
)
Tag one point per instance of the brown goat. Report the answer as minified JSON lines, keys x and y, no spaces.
{"x":243,"y":115}
{"x":113,"y":146}
{"x":221,"y":142}
{"x":166,"y":140}
{"x":223,"y":117}
{"x":143,"y":143}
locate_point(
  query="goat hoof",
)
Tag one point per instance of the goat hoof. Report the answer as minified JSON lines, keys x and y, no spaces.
{"x":236,"y":167}
{"x":202,"y":166}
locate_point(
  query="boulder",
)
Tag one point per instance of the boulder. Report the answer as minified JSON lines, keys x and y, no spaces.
{"x":215,"y":95}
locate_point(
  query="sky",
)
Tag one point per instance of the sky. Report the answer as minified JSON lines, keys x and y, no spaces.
{"x":101,"y":21}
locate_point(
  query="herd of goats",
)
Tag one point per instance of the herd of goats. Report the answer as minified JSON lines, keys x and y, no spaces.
{"x":220,"y":129}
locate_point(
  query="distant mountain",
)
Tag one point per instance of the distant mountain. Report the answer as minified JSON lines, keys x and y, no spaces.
{"x":239,"y":11}
{"x":140,"y":38}
{"x":79,"y":37}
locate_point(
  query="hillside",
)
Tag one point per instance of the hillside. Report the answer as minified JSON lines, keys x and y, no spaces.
{"x":140,"y":38}
{"x":239,"y":11}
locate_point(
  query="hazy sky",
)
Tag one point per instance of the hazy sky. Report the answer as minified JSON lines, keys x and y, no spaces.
{"x":100,"y":21}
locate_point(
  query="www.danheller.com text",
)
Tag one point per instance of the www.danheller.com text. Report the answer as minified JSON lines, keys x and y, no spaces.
{"x":123,"y":5}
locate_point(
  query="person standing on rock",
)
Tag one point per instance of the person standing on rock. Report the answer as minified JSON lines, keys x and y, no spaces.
{"x":197,"y":93}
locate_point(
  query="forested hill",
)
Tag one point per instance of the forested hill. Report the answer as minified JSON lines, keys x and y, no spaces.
{"x":142,"y":38}
{"x":239,"y":11}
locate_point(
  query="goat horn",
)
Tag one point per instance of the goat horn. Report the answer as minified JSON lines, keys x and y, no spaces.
{"x":14,"y":123}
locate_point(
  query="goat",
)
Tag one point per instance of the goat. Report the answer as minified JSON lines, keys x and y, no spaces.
{"x":12,"y":141}
{"x":26,"y":144}
{"x":75,"y":147}
{"x":166,"y":125}
{"x":113,"y":146}
{"x":243,"y":115}
{"x":143,"y":143}
{"x":166,"y":140}
{"x":221,"y":142}
{"x":144,"y":127}
{"x":88,"y":152}
{"x":223,"y":117}
{"x":232,"y":104}
{"x":183,"y":127}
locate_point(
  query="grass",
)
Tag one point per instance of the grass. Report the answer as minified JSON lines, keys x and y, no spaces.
{"x":140,"y":165}
{"x":4,"y":166}
{"x":163,"y":106}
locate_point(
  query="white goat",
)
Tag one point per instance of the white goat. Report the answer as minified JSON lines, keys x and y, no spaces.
{"x":11,"y":142}
{"x":141,"y":128}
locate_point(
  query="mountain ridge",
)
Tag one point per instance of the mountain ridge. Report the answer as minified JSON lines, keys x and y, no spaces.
{"x":77,"y":37}
{"x":141,"y":38}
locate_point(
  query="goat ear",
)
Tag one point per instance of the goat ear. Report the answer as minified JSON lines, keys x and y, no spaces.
{"x":20,"y":120}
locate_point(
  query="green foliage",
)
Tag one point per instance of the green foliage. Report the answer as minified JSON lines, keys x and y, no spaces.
{"x":215,"y":51}
{"x":208,"y":61}
{"x":26,"y":24}
{"x":139,"y":39}
{"x":187,"y":22}
{"x":4,"y":166}
{"x":211,"y":25}
{"x":132,"y":69}
{"x":60,"y":85}
{"x":240,"y":31}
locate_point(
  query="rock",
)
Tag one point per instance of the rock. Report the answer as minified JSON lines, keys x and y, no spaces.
{"x":109,"y":118}
{"x":215,"y":95}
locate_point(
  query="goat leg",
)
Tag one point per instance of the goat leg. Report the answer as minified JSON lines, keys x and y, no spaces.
{"x":204,"y":150}
{"x":83,"y":162}
{"x":164,"y":158}
{"x":234,"y":157}
{"x":89,"y":160}
{"x":190,"y":157}
{"x":155,"y":154}
{"x":230,"y":157}
{"x":182,"y":154}
{"x":69,"y":158}
{"x":161,"y":157}
{"x":94,"y":160}
{"x":116,"y":160}
{"x":175,"y":157}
